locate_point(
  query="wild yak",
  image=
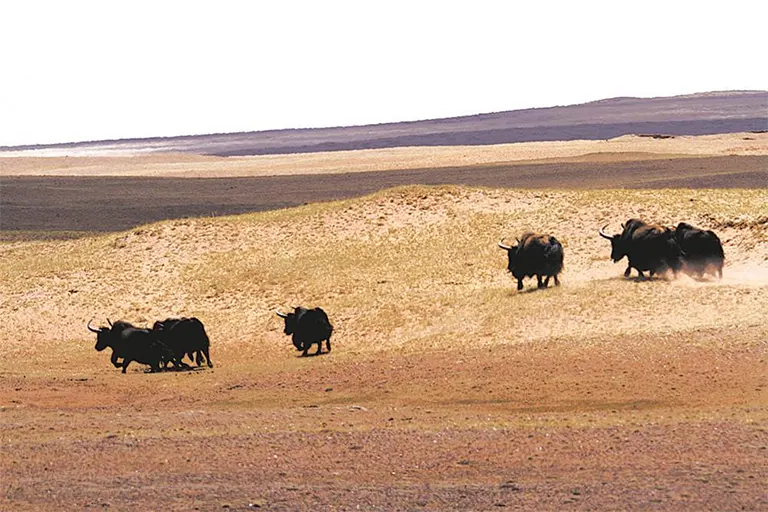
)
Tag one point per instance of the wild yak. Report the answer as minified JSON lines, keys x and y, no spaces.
{"x":534,"y":255}
{"x":131,"y":344}
{"x":307,"y":327}
{"x":647,"y":247}
{"x":702,"y":250}
{"x":184,"y":336}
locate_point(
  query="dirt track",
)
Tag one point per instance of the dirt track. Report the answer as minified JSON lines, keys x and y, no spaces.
{"x":55,"y":204}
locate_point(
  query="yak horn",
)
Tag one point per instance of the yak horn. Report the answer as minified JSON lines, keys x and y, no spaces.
{"x":505,"y":247}
{"x":109,"y":322}
{"x":281,"y":315}
{"x":91,"y":328}
{"x":604,"y":234}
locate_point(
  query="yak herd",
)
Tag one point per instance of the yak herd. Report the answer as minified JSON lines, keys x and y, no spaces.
{"x":648,"y":248}
{"x":167,"y":342}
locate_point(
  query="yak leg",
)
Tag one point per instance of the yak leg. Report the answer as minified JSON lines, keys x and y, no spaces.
{"x":174,"y":360}
{"x":519,"y":284}
{"x":114,"y":359}
{"x":557,"y":281}
{"x":328,"y":343}
{"x":319,"y":347}
{"x":628,"y":271}
{"x":207,"y":357}
{"x":546,"y":281}
{"x":305,"y":348}
{"x":539,"y":284}
{"x":178,"y":362}
{"x":126,"y":362}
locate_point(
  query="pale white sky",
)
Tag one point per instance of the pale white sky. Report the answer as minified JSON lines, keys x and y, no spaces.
{"x":77,"y":70}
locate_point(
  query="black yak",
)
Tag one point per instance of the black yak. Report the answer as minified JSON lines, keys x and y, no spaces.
{"x":535,"y":255}
{"x":307,"y":327}
{"x":702,"y":250}
{"x":184,"y":336}
{"x":648,"y":247}
{"x":131,"y":344}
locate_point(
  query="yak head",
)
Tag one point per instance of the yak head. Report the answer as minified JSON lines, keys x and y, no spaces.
{"x":103,"y":335}
{"x":511,"y":254}
{"x":618,"y":244}
{"x":291,"y":321}
{"x":109,"y":336}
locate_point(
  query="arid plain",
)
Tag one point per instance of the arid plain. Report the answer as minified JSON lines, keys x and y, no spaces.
{"x":445,"y":389}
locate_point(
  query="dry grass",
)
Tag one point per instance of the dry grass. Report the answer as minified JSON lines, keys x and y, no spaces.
{"x":625,"y":148}
{"x":415,"y":268}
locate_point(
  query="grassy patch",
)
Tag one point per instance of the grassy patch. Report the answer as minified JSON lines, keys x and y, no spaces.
{"x":413,"y":268}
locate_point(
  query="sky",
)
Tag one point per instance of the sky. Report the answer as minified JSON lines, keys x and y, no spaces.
{"x":95,"y":70}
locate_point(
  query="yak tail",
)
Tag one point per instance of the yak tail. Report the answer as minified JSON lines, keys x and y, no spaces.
{"x":718,"y":246}
{"x":554,"y":250}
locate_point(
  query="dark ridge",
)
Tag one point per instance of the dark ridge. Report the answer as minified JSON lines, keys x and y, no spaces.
{"x":50,"y":204}
{"x":697,"y":114}
{"x":509,"y":135}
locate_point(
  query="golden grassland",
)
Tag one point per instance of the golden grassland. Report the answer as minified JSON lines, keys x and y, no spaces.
{"x":409,"y":269}
{"x":446,"y":388}
{"x":141,"y":163}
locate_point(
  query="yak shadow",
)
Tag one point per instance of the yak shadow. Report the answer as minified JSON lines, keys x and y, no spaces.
{"x":312,"y":354}
{"x":637,"y":279}
{"x":530,"y":289}
{"x":174,"y":369}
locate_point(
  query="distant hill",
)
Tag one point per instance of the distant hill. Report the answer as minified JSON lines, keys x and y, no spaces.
{"x":695,"y":114}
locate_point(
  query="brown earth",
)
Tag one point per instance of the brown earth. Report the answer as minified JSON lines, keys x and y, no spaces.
{"x":658,"y":423}
{"x":445,"y":390}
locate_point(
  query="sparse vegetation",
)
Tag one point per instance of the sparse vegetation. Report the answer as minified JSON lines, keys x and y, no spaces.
{"x":417,"y":261}
{"x":440,"y":371}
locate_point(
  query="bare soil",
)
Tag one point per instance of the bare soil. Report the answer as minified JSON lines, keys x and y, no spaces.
{"x":664,"y":424}
{"x":60,"y":207}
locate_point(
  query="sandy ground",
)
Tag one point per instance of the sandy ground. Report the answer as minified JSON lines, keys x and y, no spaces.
{"x":446,"y":389}
{"x":620,"y":150}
